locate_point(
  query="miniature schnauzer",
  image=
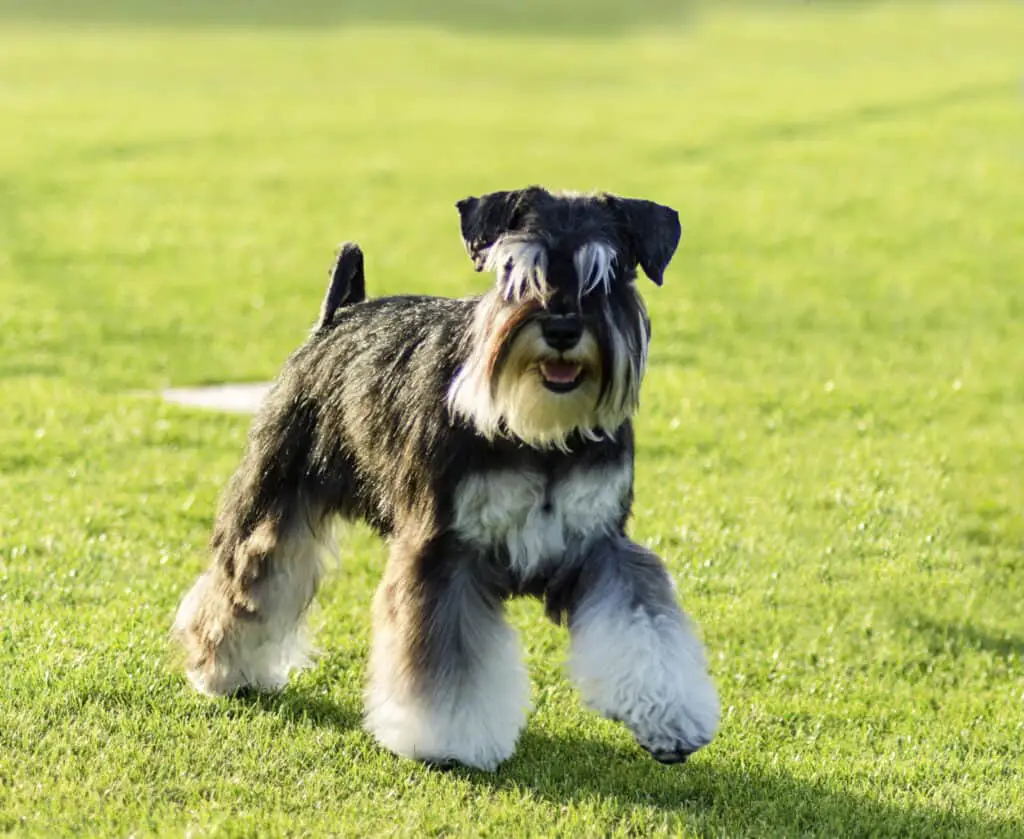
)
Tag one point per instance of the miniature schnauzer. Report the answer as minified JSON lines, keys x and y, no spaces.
{"x":489,"y":440}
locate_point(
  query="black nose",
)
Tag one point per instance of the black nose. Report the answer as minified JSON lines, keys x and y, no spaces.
{"x":562,"y":332}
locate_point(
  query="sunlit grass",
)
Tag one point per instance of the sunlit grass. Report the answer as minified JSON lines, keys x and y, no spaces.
{"x":830,"y":445}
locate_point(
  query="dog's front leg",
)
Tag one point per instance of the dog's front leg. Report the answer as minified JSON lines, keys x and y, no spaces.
{"x":446,"y":683}
{"x":635,"y":657}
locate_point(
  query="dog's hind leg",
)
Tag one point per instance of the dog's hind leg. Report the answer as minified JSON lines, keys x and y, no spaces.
{"x":241,"y":625}
{"x":635,"y":657}
{"x":242,"y":622}
{"x":446,"y":683}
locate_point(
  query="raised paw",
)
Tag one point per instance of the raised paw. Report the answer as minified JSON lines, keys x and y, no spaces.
{"x":669,"y":758}
{"x":674,"y":732}
{"x":669,"y":746}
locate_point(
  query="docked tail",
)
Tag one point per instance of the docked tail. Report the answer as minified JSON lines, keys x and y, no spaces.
{"x":348,"y":283}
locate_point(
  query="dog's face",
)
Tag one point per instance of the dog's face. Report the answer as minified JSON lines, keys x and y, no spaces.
{"x":560,"y":343}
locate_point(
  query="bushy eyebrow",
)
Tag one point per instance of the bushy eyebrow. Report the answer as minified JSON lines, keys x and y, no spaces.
{"x":521,"y":265}
{"x":595,"y":266}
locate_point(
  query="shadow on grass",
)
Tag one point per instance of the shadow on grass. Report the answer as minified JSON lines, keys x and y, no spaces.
{"x":571,"y":17}
{"x":959,"y":638}
{"x":291,"y":706}
{"x":710,"y":797}
{"x":716,"y":799}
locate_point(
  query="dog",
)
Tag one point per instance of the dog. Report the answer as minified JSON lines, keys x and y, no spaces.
{"x":489,"y":440}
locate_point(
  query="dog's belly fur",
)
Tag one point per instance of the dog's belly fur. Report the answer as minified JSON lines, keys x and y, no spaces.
{"x":533,"y":521}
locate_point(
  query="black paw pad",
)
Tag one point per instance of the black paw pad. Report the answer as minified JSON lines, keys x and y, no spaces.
{"x":669,"y":758}
{"x":441,"y":764}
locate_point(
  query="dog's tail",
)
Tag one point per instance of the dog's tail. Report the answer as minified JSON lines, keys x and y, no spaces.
{"x":348,"y":283}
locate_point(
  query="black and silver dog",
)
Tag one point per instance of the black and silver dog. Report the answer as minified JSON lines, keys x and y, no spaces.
{"x":489,"y":440}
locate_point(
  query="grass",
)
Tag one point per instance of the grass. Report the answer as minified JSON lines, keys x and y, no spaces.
{"x":831,"y":454}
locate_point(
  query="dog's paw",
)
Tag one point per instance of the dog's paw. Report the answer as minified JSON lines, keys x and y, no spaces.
{"x":674,"y":732}
{"x":216,"y":680}
{"x":670,"y":758}
{"x":669,"y":749}
{"x":675,"y":742}
{"x":442,"y":738}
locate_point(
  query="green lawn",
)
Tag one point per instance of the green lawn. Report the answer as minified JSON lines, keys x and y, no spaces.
{"x":831,"y":445}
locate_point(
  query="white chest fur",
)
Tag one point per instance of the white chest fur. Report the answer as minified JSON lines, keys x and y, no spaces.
{"x":536,"y":518}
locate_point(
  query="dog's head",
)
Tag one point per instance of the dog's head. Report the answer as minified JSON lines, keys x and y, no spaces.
{"x":560,"y":343}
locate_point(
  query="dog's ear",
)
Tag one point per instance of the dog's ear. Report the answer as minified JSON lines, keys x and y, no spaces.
{"x":652,"y":232}
{"x":485,"y":218}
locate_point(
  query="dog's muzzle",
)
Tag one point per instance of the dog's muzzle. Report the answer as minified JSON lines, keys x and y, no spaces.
{"x":561,"y":333}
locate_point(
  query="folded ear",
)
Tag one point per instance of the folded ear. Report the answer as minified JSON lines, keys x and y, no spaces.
{"x":652,"y":231}
{"x":487,"y":217}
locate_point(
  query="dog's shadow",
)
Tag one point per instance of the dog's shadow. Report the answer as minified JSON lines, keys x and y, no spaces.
{"x":307,"y":709}
{"x":716,"y":797}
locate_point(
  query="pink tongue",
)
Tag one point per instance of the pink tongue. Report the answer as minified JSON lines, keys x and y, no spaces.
{"x":560,"y":372}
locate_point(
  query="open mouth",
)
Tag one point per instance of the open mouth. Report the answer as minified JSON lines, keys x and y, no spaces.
{"x":561,"y":376}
